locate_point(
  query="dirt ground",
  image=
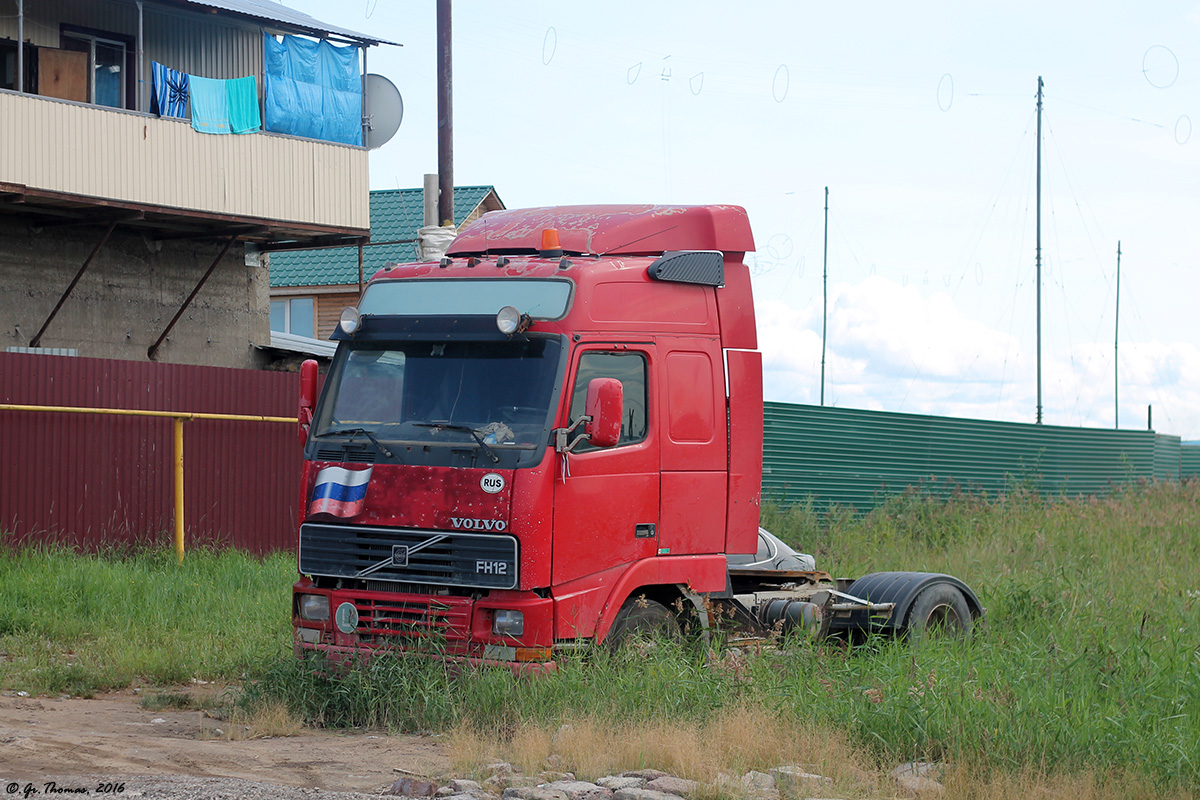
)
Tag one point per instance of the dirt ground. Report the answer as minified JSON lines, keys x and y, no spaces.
{"x":113,"y":737}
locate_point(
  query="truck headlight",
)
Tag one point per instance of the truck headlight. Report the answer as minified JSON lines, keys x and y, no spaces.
{"x":508,"y":623}
{"x":314,"y":607}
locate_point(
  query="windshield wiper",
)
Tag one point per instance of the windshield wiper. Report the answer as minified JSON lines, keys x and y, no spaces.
{"x":352,"y":432}
{"x":450,"y":426}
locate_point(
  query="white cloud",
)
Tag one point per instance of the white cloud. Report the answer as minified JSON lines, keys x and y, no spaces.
{"x":891,"y":348}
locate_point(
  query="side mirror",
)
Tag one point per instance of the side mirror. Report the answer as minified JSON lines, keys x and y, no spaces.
{"x":604,"y":404}
{"x":308,"y":397}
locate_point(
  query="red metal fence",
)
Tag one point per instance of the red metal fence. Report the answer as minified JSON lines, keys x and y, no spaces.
{"x":93,"y":480}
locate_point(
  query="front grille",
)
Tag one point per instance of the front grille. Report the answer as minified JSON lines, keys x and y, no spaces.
{"x":406,"y":588}
{"x":439,"y":623}
{"x":442,"y":558}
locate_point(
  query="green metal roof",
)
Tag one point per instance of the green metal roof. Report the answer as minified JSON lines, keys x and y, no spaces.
{"x":395,"y":214}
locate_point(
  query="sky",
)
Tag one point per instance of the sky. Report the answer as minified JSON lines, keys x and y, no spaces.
{"x":920,"y":118}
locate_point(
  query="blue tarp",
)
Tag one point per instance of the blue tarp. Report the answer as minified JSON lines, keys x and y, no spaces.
{"x":314,"y":89}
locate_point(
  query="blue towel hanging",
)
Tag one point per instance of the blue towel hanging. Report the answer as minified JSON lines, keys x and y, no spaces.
{"x":170,"y":91}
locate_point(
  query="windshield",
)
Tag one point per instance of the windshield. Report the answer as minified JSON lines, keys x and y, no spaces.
{"x":484,"y":397}
{"x":541,"y":299}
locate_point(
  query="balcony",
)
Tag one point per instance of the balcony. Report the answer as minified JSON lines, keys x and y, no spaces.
{"x":61,"y":158}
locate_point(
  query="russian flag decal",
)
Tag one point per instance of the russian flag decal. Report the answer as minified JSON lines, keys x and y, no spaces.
{"x":340,"y":492}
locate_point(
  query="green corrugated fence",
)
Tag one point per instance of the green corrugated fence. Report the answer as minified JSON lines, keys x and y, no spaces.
{"x":848,"y":457}
{"x":1168,"y":458}
{"x":1189,"y":460}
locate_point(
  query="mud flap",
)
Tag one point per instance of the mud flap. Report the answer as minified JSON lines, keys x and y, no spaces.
{"x":898,"y":589}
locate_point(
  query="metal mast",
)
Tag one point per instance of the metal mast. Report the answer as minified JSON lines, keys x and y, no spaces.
{"x":824,"y":294}
{"x":1039,"y":251}
{"x":1116,"y":337}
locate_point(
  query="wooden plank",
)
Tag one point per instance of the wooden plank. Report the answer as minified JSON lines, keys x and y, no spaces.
{"x":63,"y":74}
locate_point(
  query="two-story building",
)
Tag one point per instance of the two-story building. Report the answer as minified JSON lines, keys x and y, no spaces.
{"x":311,"y":287}
{"x":150,"y":151}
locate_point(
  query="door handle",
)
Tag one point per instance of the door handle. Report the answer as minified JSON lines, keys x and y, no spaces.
{"x":644,"y":530}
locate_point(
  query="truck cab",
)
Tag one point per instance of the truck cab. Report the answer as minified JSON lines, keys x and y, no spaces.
{"x":550,"y":437}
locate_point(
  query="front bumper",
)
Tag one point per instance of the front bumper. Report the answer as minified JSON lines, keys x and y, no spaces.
{"x":442,"y":625}
{"x":348,"y":656}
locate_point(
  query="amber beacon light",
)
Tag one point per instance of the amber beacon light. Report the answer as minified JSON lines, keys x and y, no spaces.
{"x":550,"y":246}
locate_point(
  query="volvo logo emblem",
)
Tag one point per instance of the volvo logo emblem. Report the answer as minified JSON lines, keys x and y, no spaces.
{"x":462,"y":523}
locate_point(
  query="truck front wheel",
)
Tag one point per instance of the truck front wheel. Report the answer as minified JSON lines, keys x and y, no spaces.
{"x":641,"y":618}
{"x":939,"y":610}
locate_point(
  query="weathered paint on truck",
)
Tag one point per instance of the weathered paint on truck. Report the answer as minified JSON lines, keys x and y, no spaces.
{"x":444,"y":491}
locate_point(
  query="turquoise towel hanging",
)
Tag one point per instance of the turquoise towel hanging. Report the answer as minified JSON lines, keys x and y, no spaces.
{"x":225,"y":106}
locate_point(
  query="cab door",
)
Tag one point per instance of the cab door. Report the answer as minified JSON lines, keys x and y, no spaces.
{"x":606,"y":506}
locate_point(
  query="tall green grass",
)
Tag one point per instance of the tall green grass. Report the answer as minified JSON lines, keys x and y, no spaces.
{"x":1089,"y":662}
{"x":1091,"y":654}
{"x":78,"y":624}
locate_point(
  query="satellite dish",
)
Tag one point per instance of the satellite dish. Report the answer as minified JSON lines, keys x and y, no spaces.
{"x":384,"y":110}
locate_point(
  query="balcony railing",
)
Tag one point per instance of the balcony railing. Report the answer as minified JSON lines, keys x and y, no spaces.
{"x":72,"y":150}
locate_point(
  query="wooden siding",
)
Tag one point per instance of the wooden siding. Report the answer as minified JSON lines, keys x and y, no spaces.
{"x":104,"y":153}
{"x":328,"y":310}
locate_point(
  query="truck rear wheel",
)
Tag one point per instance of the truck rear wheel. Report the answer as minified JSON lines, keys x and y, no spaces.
{"x":939,"y":610}
{"x":641,"y":618}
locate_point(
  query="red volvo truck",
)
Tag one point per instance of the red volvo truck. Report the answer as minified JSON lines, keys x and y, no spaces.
{"x":553,"y":436}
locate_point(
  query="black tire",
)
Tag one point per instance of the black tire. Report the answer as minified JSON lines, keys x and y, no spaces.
{"x":939,"y":610}
{"x":644,"y":619}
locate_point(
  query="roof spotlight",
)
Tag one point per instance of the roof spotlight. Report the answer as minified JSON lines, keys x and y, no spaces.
{"x":509,"y":321}
{"x":350,"y":321}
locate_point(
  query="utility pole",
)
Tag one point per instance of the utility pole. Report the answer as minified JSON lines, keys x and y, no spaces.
{"x":445,"y":116}
{"x":1116,"y":338}
{"x":1039,"y":251}
{"x":825,"y":295}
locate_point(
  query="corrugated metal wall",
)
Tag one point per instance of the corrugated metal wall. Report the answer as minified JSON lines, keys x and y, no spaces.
{"x":212,"y":47}
{"x":93,"y":480}
{"x":89,"y":479}
{"x":1189,"y":460}
{"x":199,"y":44}
{"x":42,"y":18}
{"x":100,"y":152}
{"x":1168,"y":458}
{"x":856,"y":458}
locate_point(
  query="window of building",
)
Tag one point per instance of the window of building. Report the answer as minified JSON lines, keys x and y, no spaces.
{"x":294,"y":315}
{"x":108,"y":80}
{"x":8,"y":66}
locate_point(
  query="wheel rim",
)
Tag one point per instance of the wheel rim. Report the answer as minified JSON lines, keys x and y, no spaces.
{"x":944,"y":617}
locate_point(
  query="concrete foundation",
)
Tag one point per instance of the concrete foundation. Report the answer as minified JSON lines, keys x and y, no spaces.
{"x":129,"y":294}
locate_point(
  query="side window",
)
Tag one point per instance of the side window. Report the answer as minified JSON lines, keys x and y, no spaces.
{"x":630,"y":370}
